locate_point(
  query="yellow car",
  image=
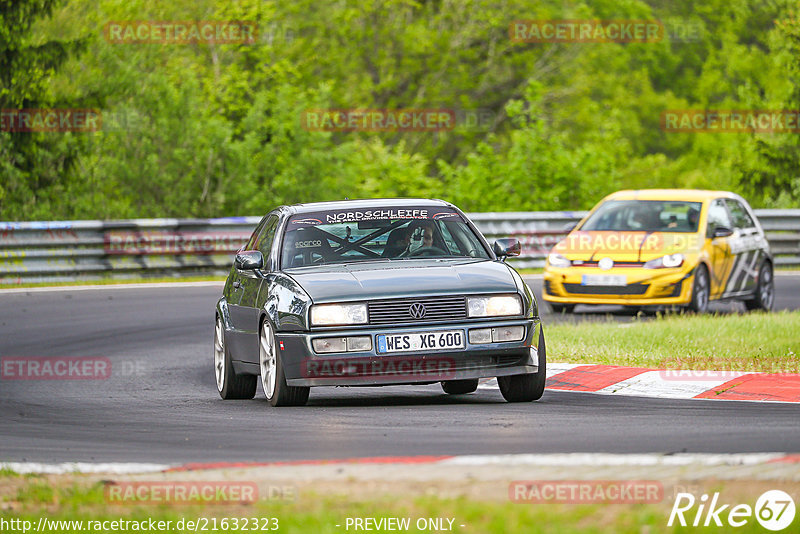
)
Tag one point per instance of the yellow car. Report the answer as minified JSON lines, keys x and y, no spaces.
{"x":663,"y":247}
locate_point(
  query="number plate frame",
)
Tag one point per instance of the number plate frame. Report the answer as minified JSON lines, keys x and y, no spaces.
{"x":608,"y":280}
{"x":437,"y":340}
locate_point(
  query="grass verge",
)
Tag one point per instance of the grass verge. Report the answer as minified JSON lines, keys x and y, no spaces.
{"x":61,"y":501}
{"x":757,"y":342}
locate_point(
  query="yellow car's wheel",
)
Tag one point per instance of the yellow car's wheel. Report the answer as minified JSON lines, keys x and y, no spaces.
{"x":764,"y":297}
{"x":700,"y":290}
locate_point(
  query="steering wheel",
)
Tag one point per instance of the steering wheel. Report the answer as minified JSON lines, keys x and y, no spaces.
{"x":428,"y":251}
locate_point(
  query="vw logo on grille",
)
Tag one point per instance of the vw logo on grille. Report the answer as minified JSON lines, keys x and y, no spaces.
{"x":417,"y":310}
{"x":605,"y":264}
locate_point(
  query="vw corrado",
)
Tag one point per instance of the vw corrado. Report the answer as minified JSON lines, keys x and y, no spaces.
{"x":372,"y":293}
{"x":669,"y":247}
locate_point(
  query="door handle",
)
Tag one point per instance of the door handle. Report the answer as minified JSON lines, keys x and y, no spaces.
{"x":237,"y":285}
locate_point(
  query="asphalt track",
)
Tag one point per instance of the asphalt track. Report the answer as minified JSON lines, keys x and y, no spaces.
{"x":160,"y":403}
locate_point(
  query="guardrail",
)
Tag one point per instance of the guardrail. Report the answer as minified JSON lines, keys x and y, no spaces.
{"x":64,"y":251}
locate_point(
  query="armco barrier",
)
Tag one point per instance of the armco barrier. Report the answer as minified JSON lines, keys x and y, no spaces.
{"x":88,"y":250}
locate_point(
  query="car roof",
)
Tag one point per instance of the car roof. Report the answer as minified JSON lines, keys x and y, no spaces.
{"x":367,"y":203}
{"x":669,"y":194}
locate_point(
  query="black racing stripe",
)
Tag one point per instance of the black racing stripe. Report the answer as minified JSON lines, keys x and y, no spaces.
{"x":736,"y":261}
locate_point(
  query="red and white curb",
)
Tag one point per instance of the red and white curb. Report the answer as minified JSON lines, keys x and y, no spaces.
{"x":670,"y":384}
{"x":478,"y":460}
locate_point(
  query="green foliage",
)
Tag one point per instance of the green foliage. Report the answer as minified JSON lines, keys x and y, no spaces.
{"x":215,"y":129}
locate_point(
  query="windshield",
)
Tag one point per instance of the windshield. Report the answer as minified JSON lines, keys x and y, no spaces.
{"x":644,"y":216}
{"x":340,"y":236}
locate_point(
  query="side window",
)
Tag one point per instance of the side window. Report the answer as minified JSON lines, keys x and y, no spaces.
{"x":717,"y":217}
{"x":264,"y":242}
{"x":741,"y":219}
{"x":251,"y":243}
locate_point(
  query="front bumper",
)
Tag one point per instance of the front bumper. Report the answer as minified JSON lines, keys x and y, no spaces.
{"x":304,"y":367}
{"x":644,"y":286}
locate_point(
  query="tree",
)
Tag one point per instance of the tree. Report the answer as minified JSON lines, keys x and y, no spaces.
{"x":34,"y":166}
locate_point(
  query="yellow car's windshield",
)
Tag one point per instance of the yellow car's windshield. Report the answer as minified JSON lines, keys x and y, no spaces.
{"x":644,"y":216}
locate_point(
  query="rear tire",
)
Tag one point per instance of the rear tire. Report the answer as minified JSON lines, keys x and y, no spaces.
{"x":460,"y":387}
{"x":229,"y":384}
{"x":700,"y":290}
{"x":764,"y":297}
{"x":273,"y":379}
{"x":528,"y":387}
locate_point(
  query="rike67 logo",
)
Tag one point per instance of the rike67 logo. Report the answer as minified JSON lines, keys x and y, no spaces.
{"x":774,"y":510}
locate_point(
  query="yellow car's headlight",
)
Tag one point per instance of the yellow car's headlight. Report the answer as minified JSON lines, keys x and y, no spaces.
{"x":494,"y":306}
{"x":668,"y":261}
{"x":338,"y":314}
{"x":558,"y":260}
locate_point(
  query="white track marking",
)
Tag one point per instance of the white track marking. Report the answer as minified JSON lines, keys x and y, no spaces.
{"x":24,"y":468}
{"x":611,"y":460}
{"x":669,"y":384}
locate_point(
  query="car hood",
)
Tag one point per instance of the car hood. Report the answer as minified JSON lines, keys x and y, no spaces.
{"x":405,"y":278}
{"x":626,"y":246}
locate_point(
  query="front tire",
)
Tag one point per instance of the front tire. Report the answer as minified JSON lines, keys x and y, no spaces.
{"x":528,"y":387}
{"x":700,"y":290}
{"x":764,"y":297}
{"x":273,"y":379}
{"x":460,"y":387}
{"x":229,"y":384}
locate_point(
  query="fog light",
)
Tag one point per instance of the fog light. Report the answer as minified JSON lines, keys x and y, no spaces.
{"x":508,"y":333}
{"x":359,"y":344}
{"x":480,"y":335}
{"x":330,"y":344}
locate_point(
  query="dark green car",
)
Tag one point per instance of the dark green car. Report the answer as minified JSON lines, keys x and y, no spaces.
{"x":371,"y":293}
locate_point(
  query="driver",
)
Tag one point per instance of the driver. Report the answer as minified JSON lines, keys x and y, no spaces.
{"x":421,"y":237}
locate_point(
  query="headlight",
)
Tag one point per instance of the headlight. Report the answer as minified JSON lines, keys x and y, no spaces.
{"x":494,"y":306}
{"x":336,"y":314}
{"x":557,"y":260}
{"x":671,"y":260}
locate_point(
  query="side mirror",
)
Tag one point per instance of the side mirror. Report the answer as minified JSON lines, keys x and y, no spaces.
{"x":507,"y":247}
{"x":249,"y":260}
{"x":721,"y":231}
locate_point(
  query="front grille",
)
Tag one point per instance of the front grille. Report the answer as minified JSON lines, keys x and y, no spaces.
{"x":616,"y":264}
{"x":399,"y":310}
{"x":630,"y":289}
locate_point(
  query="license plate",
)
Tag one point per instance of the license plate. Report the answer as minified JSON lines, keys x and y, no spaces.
{"x":603,"y":280}
{"x":449,"y":339}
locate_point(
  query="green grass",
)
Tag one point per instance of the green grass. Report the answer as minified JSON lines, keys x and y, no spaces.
{"x":762,"y":342}
{"x":321,"y":513}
